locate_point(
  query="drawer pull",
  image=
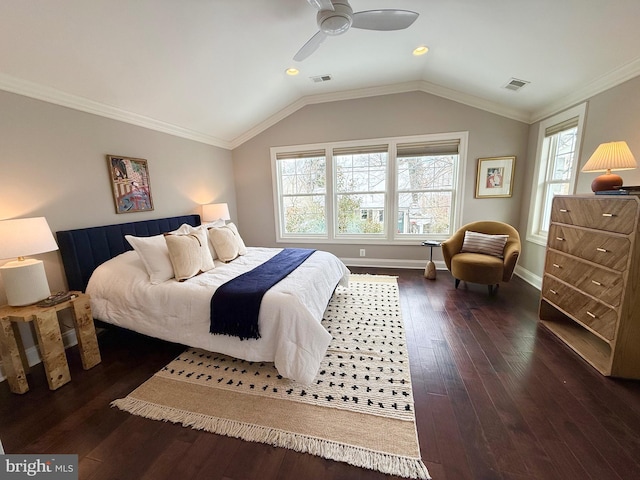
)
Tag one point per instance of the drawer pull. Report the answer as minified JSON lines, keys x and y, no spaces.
{"x":553,"y":291}
{"x":591,"y":314}
{"x":560,"y":239}
{"x":595,"y":282}
{"x":603,"y":250}
{"x":556,"y":265}
{"x":608,"y":215}
{"x":564,"y":210}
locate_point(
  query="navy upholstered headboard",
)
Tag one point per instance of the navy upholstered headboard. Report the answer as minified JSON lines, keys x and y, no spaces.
{"x":84,"y":249}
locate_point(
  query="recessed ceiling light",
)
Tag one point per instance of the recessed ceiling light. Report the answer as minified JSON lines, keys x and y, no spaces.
{"x":421,"y":50}
{"x":292,"y":71}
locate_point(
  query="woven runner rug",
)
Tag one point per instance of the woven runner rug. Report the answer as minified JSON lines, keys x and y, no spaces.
{"x":358,"y":410}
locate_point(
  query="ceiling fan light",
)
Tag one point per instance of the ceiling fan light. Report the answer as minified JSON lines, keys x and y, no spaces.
{"x":421,"y":50}
{"x":335,"y":25}
{"x":335,"y":22}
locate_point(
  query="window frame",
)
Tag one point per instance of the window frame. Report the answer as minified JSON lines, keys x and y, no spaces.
{"x":539,"y":185}
{"x":389,"y":236}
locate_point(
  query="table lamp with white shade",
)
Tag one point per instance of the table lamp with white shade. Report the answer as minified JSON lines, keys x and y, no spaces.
{"x":607,"y":157}
{"x":25,"y":281}
{"x":215,"y":211}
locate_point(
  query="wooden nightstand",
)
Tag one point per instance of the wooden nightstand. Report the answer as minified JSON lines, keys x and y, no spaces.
{"x":45,"y":320}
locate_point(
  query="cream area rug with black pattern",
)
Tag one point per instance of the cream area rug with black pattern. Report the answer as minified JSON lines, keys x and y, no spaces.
{"x":358,"y":410}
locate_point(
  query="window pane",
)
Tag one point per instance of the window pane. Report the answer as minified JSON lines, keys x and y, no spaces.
{"x":426,"y":173}
{"x":567,"y":141}
{"x":361,"y":213}
{"x":361,"y":172}
{"x":424,"y":212}
{"x":304,"y":214}
{"x":303,"y":175}
{"x":552,"y":190}
{"x":562,"y":154}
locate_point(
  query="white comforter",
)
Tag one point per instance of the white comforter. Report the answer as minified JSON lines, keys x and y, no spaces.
{"x":291,"y":333}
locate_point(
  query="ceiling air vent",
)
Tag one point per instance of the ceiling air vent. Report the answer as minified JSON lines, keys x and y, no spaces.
{"x":515,"y":84}
{"x":321,"y":78}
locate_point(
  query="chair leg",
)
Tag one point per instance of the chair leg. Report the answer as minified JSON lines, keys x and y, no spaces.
{"x":493,"y":289}
{"x":457,"y":282}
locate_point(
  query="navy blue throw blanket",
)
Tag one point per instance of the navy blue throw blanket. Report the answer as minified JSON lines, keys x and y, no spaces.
{"x":235,"y":305}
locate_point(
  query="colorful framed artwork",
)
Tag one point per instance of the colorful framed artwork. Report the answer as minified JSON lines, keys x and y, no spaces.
{"x":495,"y":177}
{"x":130,"y":184}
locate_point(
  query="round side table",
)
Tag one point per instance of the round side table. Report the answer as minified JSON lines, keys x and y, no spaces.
{"x":430,"y":269}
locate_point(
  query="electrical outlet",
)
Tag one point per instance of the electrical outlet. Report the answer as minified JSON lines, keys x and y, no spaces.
{"x":362,"y":252}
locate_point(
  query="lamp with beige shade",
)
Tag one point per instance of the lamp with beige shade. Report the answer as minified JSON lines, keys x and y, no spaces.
{"x":215,"y":211}
{"x":607,"y":157}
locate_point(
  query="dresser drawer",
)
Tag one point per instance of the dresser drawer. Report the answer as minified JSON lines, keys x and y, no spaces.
{"x":611,"y":214}
{"x":603,"y":284}
{"x":587,"y":311}
{"x":607,"y":250}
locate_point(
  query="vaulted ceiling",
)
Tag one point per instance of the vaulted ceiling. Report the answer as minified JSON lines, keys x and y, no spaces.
{"x":214,"y":70}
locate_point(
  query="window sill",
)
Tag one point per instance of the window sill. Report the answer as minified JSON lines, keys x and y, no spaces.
{"x":537,"y":239}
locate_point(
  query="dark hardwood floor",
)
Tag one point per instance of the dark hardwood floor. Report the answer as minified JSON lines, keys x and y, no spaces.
{"x":497,"y":397}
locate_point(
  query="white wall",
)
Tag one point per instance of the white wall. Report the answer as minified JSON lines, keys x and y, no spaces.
{"x":53,"y":164}
{"x":612,"y":115}
{"x":403,"y":114}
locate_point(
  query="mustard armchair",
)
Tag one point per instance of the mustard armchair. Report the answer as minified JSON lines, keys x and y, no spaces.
{"x":479,"y":267}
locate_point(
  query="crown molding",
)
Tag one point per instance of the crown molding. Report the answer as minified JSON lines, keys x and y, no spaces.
{"x":602,"y":83}
{"x":51,"y":95}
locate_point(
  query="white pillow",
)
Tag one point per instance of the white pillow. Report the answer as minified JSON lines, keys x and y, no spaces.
{"x":476,"y":242}
{"x":189,"y":254}
{"x":154,"y":255}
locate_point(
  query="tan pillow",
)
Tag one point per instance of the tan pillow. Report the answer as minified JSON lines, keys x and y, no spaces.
{"x":475,"y":242}
{"x":225,"y":243}
{"x":189,"y":254}
{"x":186,"y":228}
{"x":242,"y":248}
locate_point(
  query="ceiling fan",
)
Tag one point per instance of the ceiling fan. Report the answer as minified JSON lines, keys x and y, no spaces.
{"x":335,"y":17}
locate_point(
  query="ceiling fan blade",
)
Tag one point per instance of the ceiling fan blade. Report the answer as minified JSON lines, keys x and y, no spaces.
{"x":321,"y":4}
{"x":384,"y":19}
{"x":310,"y":47}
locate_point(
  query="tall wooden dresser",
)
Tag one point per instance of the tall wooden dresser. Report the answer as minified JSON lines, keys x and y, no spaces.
{"x":591,"y":283}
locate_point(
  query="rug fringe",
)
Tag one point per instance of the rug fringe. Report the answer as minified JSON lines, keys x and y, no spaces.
{"x":406,"y":467}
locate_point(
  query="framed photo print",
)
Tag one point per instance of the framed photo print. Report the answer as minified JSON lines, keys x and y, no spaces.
{"x":495,"y":177}
{"x":130,"y":184}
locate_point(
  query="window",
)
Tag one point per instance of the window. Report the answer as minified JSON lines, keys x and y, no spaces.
{"x":426,"y":187}
{"x":361,"y":189}
{"x":302,"y":187}
{"x":382,"y":191}
{"x":557,"y":163}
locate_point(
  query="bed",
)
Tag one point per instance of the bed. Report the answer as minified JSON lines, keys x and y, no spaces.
{"x":100,"y":261}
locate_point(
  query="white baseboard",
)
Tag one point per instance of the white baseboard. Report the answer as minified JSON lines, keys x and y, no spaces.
{"x":33,"y":353}
{"x":529,"y":277}
{"x":526,"y":275}
{"x":389,"y":263}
